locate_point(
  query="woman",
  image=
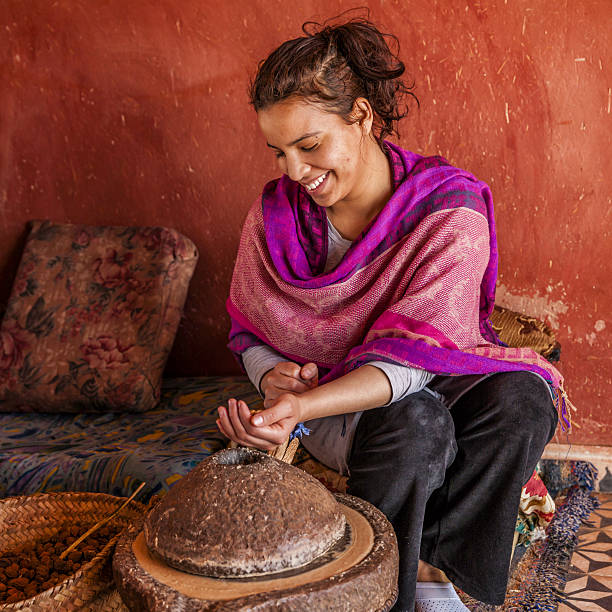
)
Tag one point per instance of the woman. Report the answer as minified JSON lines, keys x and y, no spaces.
{"x":360,"y":305}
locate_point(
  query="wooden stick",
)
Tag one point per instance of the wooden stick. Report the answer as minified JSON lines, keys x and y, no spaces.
{"x":102,"y":522}
{"x":279,"y":451}
{"x":291,"y":450}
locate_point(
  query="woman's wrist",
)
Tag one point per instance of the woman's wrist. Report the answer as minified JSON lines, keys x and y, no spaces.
{"x":361,"y":389}
{"x":299,"y":405}
{"x":262,"y":389}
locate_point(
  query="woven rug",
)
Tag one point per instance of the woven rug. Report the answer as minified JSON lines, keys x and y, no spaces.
{"x":538,"y":571}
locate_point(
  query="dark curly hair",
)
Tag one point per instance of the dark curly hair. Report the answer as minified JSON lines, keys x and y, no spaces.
{"x":333,"y":65}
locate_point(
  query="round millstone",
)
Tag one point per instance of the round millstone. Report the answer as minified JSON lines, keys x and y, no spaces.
{"x":358,"y":573}
{"x":243,"y":513}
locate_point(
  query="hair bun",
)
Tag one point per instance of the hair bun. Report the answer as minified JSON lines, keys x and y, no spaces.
{"x":334,"y":65}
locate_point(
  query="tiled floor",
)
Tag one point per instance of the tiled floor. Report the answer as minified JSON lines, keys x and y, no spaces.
{"x":589,"y":582}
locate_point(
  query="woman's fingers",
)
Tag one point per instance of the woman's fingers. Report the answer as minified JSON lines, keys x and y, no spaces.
{"x":288,"y":377}
{"x":237,"y":420}
{"x":220,"y":426}
{"x":240,"y":416}
{"x":277,"y":424}
{"x":284,"y":408}
{"x":310,"y":373}
{"x":288,"y":368}
{"x":277,"y":432}
{"x":274,"y":435}
{"x":232,"y":420}
{"x":226,"y":424}
{"x":283,"y":382}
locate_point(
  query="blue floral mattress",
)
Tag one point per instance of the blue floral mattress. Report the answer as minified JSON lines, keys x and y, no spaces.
{"x":114,"y":452}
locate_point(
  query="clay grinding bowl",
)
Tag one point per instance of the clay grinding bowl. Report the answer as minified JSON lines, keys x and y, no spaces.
{"x":241,"y":513}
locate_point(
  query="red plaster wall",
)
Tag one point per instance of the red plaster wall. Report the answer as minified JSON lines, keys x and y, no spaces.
{"x":136,"y":113}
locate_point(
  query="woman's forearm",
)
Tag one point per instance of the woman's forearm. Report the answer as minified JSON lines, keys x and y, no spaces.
{"x":364,"y":388}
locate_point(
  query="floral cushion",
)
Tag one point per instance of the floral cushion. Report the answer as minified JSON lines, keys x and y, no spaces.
{"x":91,"y":317}
{"x":536,"y":510}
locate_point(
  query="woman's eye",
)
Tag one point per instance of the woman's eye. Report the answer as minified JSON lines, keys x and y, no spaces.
{"x":278,"y":154}
{"x":314,"y":146}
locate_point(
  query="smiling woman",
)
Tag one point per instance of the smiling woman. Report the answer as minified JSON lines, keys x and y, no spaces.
{"x":360,"y":304}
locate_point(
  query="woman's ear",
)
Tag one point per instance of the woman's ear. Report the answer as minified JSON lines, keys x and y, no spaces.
{"x":363,"y":114}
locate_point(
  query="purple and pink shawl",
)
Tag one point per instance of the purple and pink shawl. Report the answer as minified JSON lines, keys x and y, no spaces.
{"x":416,"y":288}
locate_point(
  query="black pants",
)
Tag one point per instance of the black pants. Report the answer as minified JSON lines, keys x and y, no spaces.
{"x":449,"y":481}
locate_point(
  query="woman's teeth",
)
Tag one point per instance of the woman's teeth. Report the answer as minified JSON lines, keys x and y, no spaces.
{"x":316,"y":182}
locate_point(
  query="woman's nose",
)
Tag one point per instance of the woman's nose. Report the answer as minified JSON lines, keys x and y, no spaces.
{"x":296,"y":169}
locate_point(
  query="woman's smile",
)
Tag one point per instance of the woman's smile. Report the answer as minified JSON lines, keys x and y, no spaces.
{"x":317,"y":185}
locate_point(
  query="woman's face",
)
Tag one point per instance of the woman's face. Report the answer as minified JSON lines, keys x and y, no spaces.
{"x":317,"y":148}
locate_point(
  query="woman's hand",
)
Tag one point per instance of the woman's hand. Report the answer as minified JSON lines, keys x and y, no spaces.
{"x":288,"y":377}
{"x":361,"y":389}
{"x":264,"y":430}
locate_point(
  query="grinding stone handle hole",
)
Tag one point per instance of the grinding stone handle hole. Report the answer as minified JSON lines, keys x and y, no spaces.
{"x":239,"y":456}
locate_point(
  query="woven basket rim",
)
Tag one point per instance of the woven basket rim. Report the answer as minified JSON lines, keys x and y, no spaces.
{"x":14,"y":503}
{"x":59,"y":495}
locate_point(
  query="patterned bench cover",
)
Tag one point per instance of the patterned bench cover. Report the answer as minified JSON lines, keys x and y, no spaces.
{"x":114,"y":452}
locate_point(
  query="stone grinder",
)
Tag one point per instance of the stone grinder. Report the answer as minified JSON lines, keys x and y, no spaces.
{"x":245,"y":531}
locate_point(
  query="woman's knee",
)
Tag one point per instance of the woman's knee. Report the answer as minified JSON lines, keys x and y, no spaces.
{"x":522,"y":402}
{"x":420,"y":424}
{"x":413,"y":440}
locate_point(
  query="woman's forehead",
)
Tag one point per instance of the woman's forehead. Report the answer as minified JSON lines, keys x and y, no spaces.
{"x":291,"y":119}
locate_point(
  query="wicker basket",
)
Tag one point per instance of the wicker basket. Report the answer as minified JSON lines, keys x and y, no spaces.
{"x":35,"y":517}
{"x":520,"y":330}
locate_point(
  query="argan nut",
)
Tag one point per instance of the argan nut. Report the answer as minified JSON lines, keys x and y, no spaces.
{"x":12,"y":571}
{"x":19,"y":583}
{"x":75,"y":555}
